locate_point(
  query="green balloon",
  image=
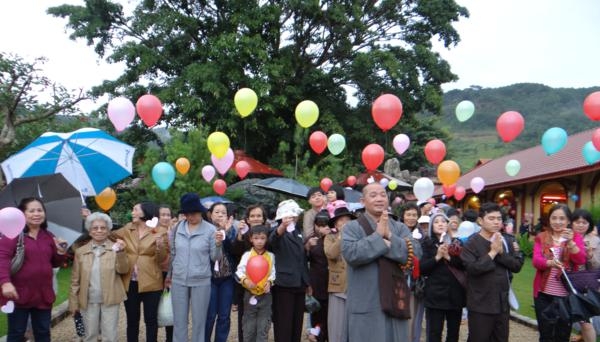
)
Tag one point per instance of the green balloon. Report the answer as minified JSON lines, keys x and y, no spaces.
{"x":464,"y":110}
{"x":512,"y":167}
{"x":336,"y":144}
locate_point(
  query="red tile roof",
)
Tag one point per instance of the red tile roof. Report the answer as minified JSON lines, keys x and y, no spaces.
{"x":256,"y":167}
{"x":535,"y":165}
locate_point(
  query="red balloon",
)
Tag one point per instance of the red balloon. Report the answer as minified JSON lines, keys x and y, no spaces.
{"x":257,"y":268}
{"x":591,"y":107}
{"x":242,"y":168}
{"x":351,"y":180}
{"x":386,"y":111}
{"x":596,"y":139}
{"x":459,"y":193}
{"x":372,"y":156}
{"x":435,"y":151}
{"x":326,"y":184}
{"x":449,"y":189}
{"x":149,"y":109}
{"x":318,"y":141}
{"x":219,"y":186}
{"x":509,"y":125}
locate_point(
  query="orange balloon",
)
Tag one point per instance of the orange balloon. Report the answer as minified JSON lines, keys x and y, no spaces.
{"x":106,"y":199}
{"x":182,"y":165}
{"x":448,"y":172}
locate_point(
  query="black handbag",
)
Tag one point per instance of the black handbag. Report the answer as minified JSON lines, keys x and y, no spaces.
{"x":580,"y":306}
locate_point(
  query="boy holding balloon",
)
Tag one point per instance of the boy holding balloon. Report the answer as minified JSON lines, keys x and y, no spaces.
{"x":256,"y":273}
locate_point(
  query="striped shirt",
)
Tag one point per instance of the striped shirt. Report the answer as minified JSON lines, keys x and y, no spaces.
{"x":554,"y":285}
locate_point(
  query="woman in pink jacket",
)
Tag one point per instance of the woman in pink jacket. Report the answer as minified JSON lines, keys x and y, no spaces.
{"x":556,"y":248}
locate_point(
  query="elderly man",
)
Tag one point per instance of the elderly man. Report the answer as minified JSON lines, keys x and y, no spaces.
{"x":365,"y":319}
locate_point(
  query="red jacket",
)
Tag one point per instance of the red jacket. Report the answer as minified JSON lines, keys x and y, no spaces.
{"x":34,"y":280}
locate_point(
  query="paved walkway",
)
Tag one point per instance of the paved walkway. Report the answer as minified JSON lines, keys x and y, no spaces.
{"x":64,"y":331}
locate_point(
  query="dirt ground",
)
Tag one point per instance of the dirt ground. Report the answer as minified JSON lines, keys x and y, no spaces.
{"x":65,"y":331}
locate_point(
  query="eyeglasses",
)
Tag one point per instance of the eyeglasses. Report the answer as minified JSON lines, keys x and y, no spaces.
{"x":98,"y":228}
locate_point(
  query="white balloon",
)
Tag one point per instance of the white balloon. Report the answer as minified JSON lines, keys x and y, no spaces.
{"x":423,"y":189}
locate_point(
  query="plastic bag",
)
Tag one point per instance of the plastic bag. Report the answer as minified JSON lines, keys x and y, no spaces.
{"x":311,"y":304}
{"x":165,"y":310}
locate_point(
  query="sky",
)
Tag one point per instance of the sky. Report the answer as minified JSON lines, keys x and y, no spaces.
{"x":553,"y":42}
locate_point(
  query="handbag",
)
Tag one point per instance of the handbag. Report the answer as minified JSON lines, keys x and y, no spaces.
{"x":460,"y":275}
{"x":17,"y":260}
{"x":311,"y":304}
{"x":394,"y":292}
{"x":578,"y":303}
{"x":165,"y":310}
{"x":584,"y":280}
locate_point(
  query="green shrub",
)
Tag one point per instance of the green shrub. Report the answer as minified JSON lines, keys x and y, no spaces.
{"x":525,"y":244}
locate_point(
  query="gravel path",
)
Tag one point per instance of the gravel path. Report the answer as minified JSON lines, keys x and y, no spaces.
{"x":64,"y":331}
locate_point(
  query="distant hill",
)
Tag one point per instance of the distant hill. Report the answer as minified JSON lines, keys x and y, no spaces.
{"x":542,"y":107}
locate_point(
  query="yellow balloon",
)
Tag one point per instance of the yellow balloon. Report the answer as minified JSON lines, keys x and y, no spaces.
{"x":307,"y":113}
{"x":245,"y":101}
{"x":218,"y":144}
{"x":392,"y":185}
{"x":182,"y":165}
{"x":448,"y":172}
{"x":106,"y":199}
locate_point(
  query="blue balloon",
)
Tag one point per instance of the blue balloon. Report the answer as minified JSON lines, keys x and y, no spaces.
{"x":163,"y":175}
{"x":574,"y":197}
{"x":553,"y":140}
{"x":590,"y":153}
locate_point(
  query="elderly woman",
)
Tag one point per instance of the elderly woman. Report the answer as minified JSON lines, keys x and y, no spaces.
{"x":146,"y":248}
{"x":96,"y":286}
{"x":291,"y":277}
{"x":30,"y":288}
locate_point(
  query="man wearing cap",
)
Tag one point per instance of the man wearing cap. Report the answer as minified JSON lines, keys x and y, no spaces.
{"x":365,"y":319}
{"x":291,"y":273}
{"x":316,"y":198}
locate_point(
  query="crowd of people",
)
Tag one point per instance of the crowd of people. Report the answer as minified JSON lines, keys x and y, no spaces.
{"x":367,"y":274}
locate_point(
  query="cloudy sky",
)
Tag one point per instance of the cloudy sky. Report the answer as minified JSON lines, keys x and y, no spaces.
{"x":554,"y":42}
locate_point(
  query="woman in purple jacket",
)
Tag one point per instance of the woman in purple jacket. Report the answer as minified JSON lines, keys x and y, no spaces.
{"x":30,"y":288}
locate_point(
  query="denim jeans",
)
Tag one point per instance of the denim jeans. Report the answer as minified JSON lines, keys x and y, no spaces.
{"x":40,"y":322}
{"x":221,"y":298}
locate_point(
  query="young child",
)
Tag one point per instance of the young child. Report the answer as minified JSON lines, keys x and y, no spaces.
{"x":256,"y":320}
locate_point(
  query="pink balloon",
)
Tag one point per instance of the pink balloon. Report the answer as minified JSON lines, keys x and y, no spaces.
{"x":509,"y":125}
{"x":12,"y":222}
{"x":459,"y":193}
{"x":401,"y":143}
{"x":223,"y":164}
{"x":477,"y":184}
{"x":149,"y":109}
{"x":208,"y":172}
{"x":120,"y":112}
{"x":596,"y":139}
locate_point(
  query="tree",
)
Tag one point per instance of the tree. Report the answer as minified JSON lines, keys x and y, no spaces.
{"x":194,"y":55}
{"x":28,"y":97}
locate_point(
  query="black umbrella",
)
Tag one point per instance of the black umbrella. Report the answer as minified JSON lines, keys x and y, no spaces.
{"x":61,"y":199}
{"x":283,"y":185}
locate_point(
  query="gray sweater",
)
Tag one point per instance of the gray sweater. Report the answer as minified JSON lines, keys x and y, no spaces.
{"x":191,"y":254}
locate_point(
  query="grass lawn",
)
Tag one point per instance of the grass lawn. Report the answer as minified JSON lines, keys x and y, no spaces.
{"x":64,"y":280}
{"x":522,"y":284}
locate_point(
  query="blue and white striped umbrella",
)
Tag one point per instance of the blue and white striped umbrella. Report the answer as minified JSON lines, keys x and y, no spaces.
{"x":88,"y":158}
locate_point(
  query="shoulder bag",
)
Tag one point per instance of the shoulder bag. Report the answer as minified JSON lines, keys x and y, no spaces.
{"x":394,"y":292}
{"x":17,"y":260}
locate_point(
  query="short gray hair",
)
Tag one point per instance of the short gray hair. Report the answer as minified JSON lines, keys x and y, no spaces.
{"x":95,"y":216}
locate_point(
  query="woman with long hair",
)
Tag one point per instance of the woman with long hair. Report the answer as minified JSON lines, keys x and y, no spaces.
{"x":30,"y":288}
{"x":556,"y":248}
{"x":146,"y":248}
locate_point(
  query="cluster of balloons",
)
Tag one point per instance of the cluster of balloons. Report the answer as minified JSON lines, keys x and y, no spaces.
{"x":121,"y":111}
{"x":319,"y":141}
{"x":12,"y":222}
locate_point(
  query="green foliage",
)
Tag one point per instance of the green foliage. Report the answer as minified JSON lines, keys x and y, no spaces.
{"x":522,"y":285}
{"x":525,"y":244}
{"x":542,"y":107}
{"x":195,"y":55}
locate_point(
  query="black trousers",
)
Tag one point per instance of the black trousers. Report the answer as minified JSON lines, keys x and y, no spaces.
{"x":132,"y":309}
{"x":550,"y":329}
{"x":435,"y":324}
{"x":488,"y":327}
{"x":320,"y":318}
{"x":288,"y":313}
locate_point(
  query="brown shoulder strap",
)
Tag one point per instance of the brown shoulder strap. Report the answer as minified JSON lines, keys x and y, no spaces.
{"x":364,"y":223}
